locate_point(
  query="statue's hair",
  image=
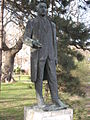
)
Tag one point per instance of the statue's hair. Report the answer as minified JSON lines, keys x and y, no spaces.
{"x":37,"y":7}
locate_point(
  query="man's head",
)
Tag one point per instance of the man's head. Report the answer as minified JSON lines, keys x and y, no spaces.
{"x":42,"y":9}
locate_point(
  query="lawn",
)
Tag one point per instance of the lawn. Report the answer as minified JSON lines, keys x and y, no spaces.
{"x":14,"y":96}
{"x":22,"y":77}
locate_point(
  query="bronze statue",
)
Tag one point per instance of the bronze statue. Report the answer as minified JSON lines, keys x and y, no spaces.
{"x":41,"y":34}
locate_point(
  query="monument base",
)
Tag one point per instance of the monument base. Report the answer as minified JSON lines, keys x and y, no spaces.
{"x":32,"y":114}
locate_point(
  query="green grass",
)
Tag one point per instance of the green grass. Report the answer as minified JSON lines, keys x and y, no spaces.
{"x":21,"y":77}
{"x":13,"y":99}
{"x":83,"y":71}
{"x":14,"y":96}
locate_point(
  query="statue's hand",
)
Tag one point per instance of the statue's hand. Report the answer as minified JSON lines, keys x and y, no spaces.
{"x":32,"y":43}
{"x":36,"y":44}
{"x":28,"y":41}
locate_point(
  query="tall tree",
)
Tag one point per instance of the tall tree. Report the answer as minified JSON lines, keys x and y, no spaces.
{"x":9,"y":63}
{"x":10,"y":53}
{"x":1,"y":35}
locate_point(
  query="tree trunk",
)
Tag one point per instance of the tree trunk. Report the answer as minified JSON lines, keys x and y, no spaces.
{"x":9,"y":63}
{"x":8,"y":66}
{"x":1,"y":35}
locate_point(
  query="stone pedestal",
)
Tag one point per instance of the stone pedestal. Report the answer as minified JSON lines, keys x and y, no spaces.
{"x":31,"y":114}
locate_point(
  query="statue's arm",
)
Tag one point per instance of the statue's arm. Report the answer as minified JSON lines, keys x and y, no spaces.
{"x":28,"y":36}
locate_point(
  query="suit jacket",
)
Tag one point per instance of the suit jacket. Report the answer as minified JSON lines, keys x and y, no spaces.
{"x":34,"y":31}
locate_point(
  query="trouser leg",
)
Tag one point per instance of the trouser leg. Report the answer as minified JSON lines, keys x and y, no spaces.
{"x":39,"y":83}
{"x":52,"y":81}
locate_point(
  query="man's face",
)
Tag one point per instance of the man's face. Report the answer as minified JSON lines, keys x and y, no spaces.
{"x":42,"y":9}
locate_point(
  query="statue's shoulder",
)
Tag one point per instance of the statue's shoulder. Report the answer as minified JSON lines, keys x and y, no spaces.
{"x":53,"y":24}
{"x":32,"y":21}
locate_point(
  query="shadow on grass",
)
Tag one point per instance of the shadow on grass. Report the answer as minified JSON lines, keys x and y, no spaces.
{"x":16,"y":107}
{"x":13,"y":113}
{"x":15,"y":99}
{"x":16,"y":89}
{"x":8,"y":115}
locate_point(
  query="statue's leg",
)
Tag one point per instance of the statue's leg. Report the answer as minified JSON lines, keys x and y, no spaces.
{"x":39,"y":84}
{"x":52,"y":81}
{"x":39,"y":96}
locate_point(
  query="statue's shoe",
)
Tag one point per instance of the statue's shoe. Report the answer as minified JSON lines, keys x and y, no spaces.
{"x":41,"y":104}
{"x":60,"y":104}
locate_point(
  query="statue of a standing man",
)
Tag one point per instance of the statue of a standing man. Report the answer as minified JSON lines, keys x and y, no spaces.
{"x":43,"y":59}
